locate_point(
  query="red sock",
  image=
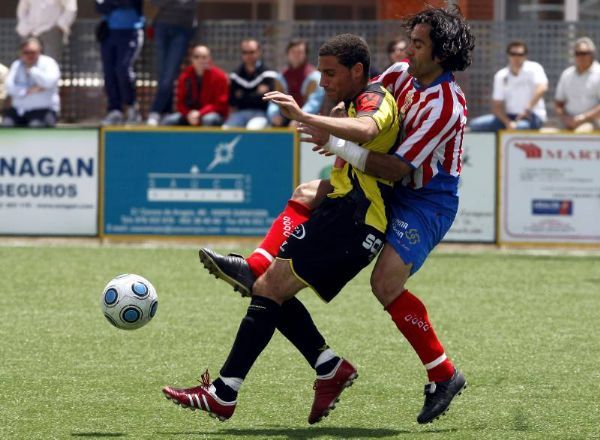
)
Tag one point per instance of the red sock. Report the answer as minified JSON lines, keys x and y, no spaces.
{"x":410,"y":316}
{"x":294,"y":214}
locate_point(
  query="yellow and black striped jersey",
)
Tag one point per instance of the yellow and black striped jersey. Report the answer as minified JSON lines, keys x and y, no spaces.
{"x":375,"y":102}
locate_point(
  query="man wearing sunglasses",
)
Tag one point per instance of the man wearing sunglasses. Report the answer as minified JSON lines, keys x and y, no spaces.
{"x":32,"y":84}
{"x":577,"y":99}
{"x":248,"y":84}
{"x":517,"y":97}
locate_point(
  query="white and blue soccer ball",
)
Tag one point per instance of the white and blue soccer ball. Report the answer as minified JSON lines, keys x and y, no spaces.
{"x":129,"y":301}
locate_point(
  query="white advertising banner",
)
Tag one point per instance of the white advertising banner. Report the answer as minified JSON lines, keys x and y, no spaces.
{"x":313,"y":165}
{"x":48,"y":182}
{"x":549,"y":188}
{"x":476,"y":217}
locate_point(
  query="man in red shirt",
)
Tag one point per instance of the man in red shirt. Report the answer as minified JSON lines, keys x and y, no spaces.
{"x":202,"y":93}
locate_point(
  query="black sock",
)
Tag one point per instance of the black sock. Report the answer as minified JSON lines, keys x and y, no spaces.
{"x":297,"y":326}
{"x":327,"y":367}
{"x":224,"y":392}
{"x":255,"y":332}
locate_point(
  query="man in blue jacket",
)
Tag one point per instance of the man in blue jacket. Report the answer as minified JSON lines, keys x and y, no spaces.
{"x":121,"y":37}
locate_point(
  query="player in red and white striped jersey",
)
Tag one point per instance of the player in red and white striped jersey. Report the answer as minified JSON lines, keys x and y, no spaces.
{"x":426,"y":168}
{"x":434,"y":118}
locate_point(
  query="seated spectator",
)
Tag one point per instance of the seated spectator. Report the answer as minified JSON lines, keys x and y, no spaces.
{"x":173,"y":27}
{"x":577,"y":99}
{"x":311,"y":93}
{"x":517,"y":98}
{"x":32,"y":84}
{"x":49,"y":20}
{"x":396,"y":50}
{"x":3,"y":74}
{"x":248,"y":84}
{"x":291,"y":79}
{"x":202,"y":93}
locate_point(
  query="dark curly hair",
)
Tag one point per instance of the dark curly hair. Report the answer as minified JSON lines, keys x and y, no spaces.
{"x":349,"y":49}
{"x":451,"y":36}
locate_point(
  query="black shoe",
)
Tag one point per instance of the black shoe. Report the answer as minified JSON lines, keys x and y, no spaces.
{"x":233,"y":269}
{"x":438,"y":396}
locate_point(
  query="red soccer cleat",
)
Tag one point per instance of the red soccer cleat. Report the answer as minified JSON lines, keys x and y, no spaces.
{"x":201,"y":397}
{"x":328,"y":389}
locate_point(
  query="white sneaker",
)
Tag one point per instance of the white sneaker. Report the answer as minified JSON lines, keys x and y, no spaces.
{"x":114,"y":117}
{"x":153,"y":119}
{"x":133,"y":116}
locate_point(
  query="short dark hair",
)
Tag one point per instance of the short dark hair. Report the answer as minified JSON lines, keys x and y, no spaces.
{"x":297,"y":42}
{"x":349,"y":49}
{"x":391,"y":46}
{"x":516,"y":43}
{"x":450,"y":35}
{"x":249,"y":40}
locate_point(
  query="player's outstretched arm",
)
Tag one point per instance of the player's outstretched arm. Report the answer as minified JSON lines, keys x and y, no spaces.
{"x":383,"y":165}
{"x":360,"y":130}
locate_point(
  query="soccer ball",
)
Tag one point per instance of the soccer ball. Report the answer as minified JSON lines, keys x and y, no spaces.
{"x":129,"y":301}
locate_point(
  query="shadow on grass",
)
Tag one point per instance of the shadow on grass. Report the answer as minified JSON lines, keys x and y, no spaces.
{"x":98,"y":434}
{"x":310,"y":433}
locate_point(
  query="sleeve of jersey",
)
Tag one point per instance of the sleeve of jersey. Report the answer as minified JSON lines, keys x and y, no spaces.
{"x":389,"y":77}
{"x":377,"y":107}
{"x":439,"y":122}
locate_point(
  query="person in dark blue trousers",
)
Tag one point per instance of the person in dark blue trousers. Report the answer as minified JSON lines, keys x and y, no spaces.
{"x":121,"y":39}
{"x":174,"y":25}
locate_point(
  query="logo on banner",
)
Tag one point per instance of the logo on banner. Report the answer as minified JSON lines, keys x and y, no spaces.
{"x":531,"y":150}
{"x":224,"y":153}
{"x":551,"y":207}
{"x":197,"y":186}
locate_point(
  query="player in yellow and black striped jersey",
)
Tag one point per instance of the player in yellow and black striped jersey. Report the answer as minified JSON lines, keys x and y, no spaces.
{"x":343,"y":234}
{"x":377,"y":103}
{"x":347,"y":229}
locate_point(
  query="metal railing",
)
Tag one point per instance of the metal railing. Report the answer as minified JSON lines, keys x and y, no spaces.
{"x":83,"y":97}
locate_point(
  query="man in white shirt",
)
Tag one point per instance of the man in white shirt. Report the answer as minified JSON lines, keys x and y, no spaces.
{"x":3,"y":74}
{"x":517,"y":99}
{"x":49,"y":20}
{"x":32,"y":84}
{"x":577,"y":99}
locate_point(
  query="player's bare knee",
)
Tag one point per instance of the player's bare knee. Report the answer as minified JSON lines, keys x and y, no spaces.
{"x":305,"y":193}
{"x":385,"y":287}
{"x":277,"y":283}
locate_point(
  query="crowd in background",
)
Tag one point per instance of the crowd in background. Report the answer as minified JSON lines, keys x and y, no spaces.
{"x":192,"y":90}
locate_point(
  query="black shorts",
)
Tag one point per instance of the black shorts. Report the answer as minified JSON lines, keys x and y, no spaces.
{"x":331,"y":247}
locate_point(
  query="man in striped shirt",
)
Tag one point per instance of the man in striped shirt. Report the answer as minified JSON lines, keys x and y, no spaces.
{"x":426,"y":168}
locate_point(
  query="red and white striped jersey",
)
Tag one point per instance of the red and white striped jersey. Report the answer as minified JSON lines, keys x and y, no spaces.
{"x":433,"y":121}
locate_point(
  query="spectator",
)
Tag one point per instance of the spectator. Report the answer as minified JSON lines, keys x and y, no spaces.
{"x":517,"y":102}
{"x":32,"y":84}
{"x":312,"y":96}
{"x":173,"y":28}
{"x":396,"y":50}
{"x":248,"y":84}
{"x":121,"y":38}
{"x":202,"y":92}
{"x":292,"y":79}
{"x":3,"y":73}
{"x":577,"y":100}
{"x":49,"y":20}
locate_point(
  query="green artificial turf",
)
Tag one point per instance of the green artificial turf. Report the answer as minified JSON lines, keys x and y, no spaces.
{"x":524,"y":329}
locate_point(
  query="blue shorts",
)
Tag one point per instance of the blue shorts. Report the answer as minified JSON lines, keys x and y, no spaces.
{"x":415,"y":229}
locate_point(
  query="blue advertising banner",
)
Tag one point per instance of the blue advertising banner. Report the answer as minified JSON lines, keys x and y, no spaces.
{"x":185,"y":182}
